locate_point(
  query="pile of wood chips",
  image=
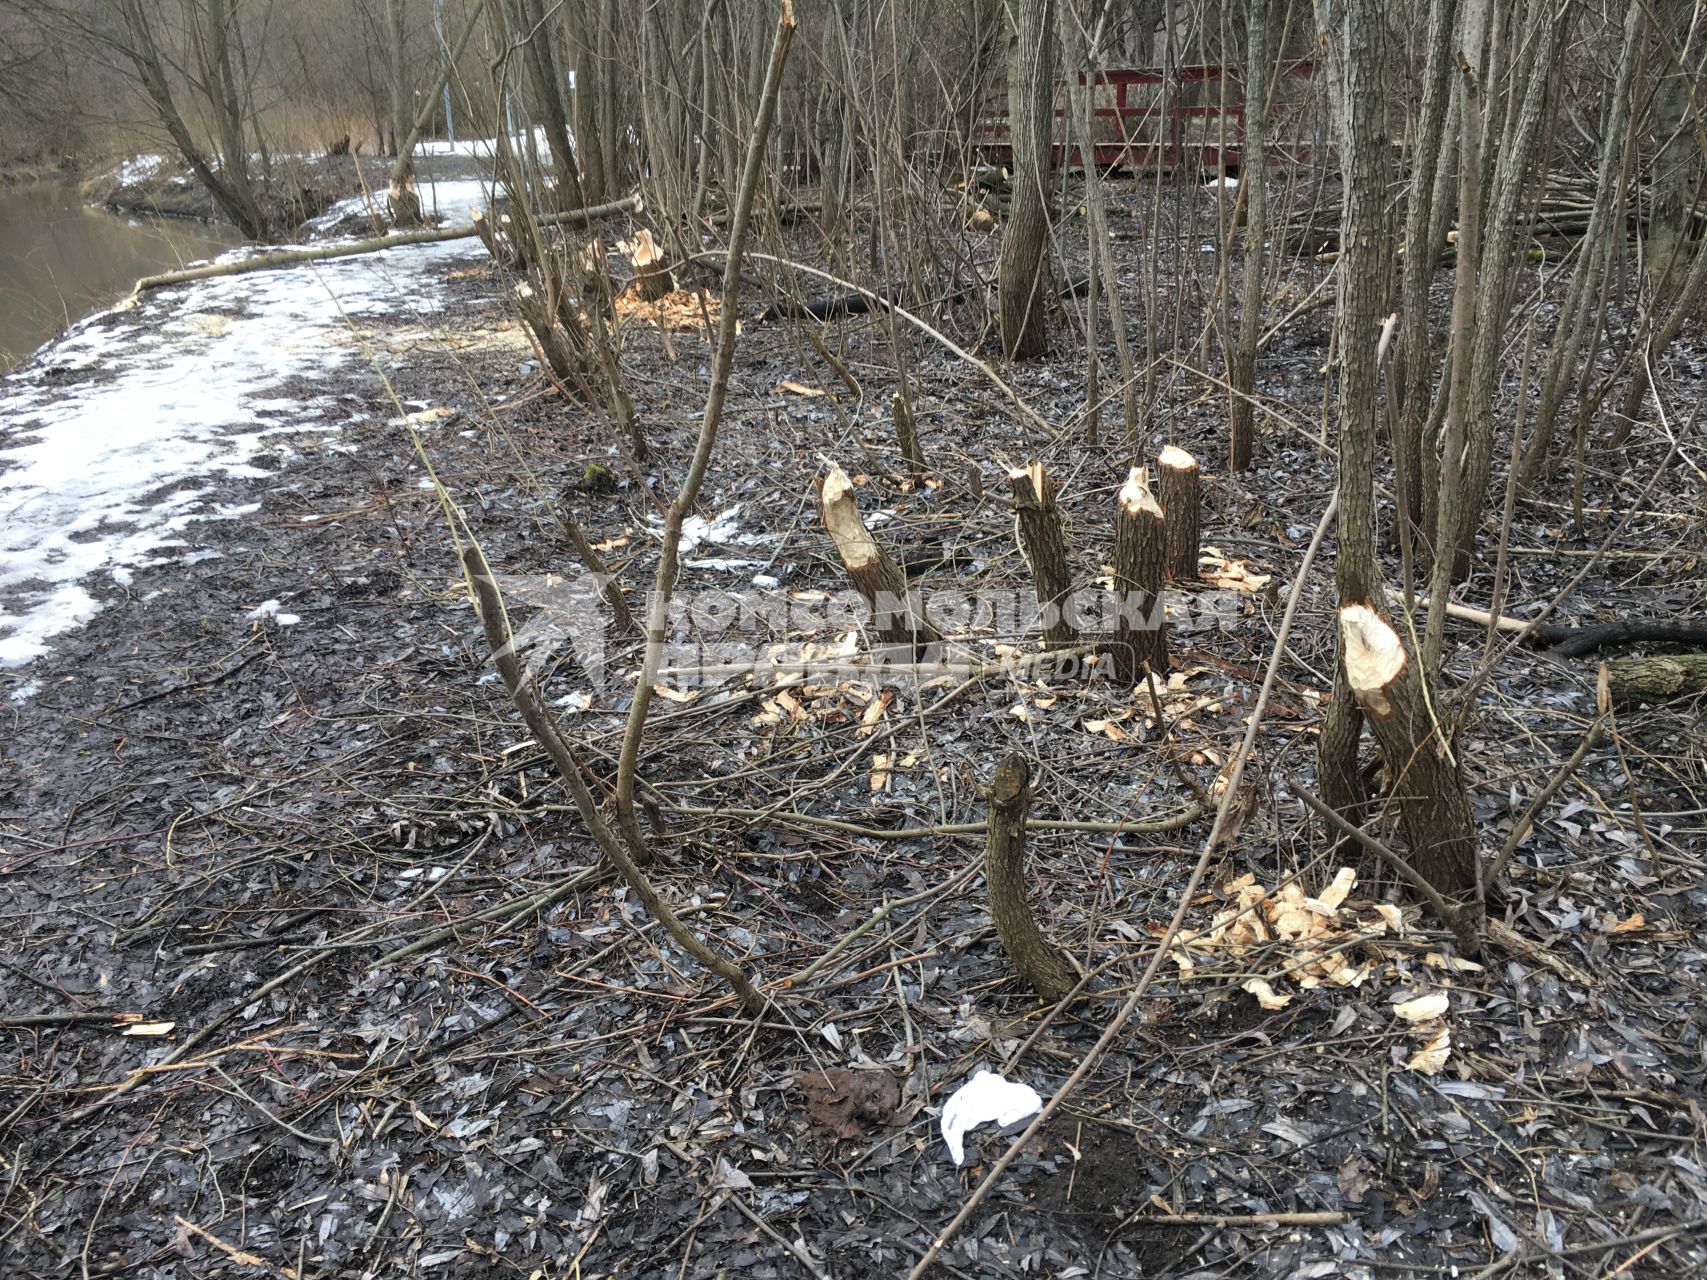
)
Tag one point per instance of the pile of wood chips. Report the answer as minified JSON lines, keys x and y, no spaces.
{"x":679,"y":311}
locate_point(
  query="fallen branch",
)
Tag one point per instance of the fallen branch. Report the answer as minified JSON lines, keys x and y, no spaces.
{"x":377,"y":244}
{"x":544,"y":728}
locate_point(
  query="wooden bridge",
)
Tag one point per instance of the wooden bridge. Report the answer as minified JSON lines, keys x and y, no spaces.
{"x":1149,"y":118}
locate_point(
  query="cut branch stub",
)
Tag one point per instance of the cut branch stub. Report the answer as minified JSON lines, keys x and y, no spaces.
{"x":1140,"y":635}
{"x":1041,"y":964}
{"x":897,"y":617}
{"x":1177,"y":489}
{"x":1037,"y":529}
{"x":1424,"y":778}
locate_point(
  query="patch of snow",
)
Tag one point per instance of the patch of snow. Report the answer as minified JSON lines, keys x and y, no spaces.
{"x":266,"y":609}
{"x":480,"y":148}
{"x":451,"y":198}
{"x":138,"y":169}
{"x":106,"y":472}
{"x":24,"y":692}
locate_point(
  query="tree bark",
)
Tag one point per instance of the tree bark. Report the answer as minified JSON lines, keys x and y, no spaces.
{"x":1635,"y":680}
{"x":1037,"y":528}
{"x":1422,"y":249}
{"x":1496,"y":271}
{"x":1022,"y":272}
{"x":897,"y":617}
{"x":1177,"y":489}
{"x":1423,"y":775}
{"x":1594,"y":258}
{"x":1140,"y":540}
{"x":1241,"y":371}
{"x":1365,"y":246}
{"x":907,"y":435}
{"x":652,"y":274}
{"x":1042,"y":965}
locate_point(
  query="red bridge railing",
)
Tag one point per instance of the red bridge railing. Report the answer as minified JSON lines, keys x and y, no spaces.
{"x":1145,"y":118}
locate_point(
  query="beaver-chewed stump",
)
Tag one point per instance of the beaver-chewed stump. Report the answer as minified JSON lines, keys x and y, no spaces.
{"x":1041,"y":964}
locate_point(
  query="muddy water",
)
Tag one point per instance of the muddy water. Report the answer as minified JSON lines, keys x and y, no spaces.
{"x":60,"y":260}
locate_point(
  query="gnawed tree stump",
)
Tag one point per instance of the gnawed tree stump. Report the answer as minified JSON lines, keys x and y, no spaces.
{"x":652,"y":277}
{"x":1424,"y":777}
{"x":1657,"y":679}
{"x":1140,"y":635}
{"x":1042,"y":965}
{"x":907,"y":435}
{"x":495,"y":234}
{"x":897,"y":617}
{"x":555,"y":344}
{"x":1037,"y":529}
{"x":404,"y":201}
{"x":1177,"y":490}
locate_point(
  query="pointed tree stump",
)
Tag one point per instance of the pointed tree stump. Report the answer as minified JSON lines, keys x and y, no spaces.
{"x":1427,"y":785}
{"x":1042,"y":965}
{"x":1037,"y":529}
{"x":897,"y":617}
{"x":1140,"y":635}
{"x":1177,"y":490}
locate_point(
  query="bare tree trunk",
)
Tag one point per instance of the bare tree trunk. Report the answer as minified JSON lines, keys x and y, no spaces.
{"x":1594,"y":255}
{"x":537,"y":32}
{"x":227,"y":181}
{"x":1241,"y":370}
{"x":1023,"y":273}
{"x":402,"y":198}
{"x":1670,"y":190}
{"x":1365,"y":247}
{"x":1422,"y":256}
{"x":1495,"y":277}
{"x":1084,"y":58}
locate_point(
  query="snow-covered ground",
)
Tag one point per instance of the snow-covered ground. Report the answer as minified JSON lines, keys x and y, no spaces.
{"x":110,"y":437}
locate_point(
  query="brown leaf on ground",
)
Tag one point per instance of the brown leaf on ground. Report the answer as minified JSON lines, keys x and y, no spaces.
{"x":845,"y":1104}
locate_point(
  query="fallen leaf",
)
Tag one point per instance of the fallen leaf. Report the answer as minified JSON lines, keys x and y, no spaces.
{"x":1634,"y":923}
{"x":1423,"y":1008}
{"x":1432,"y":1056}
{"x":1266,"y":995}
{"x":1354,"y":1177}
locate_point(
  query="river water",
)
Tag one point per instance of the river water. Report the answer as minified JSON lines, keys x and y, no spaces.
{"x":61,"y":259}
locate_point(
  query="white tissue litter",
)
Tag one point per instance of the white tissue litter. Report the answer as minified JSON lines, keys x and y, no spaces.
{"x":985,"y":1098}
